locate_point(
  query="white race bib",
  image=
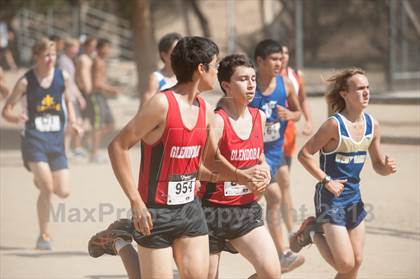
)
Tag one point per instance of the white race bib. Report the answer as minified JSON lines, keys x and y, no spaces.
{"x":272,"y":131}
{"x":47,"y":123}
{"x":233,"y":189}
{"x":181,"y":189}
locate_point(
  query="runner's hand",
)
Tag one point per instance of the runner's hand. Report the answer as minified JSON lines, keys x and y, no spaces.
{"x":256,"y":178}
{"x":22,"y":118}
{"x":142,"y":219}
{"x":283,"y":113}
{"x":307,"y":129}
{"x":336,"y":187}
{"x":77,"y":128}
{"x":82,"y":103}
{"x":390,"y":165}
{"x":197,"y":185}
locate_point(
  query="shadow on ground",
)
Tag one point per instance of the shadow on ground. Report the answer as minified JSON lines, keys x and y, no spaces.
{"x":10,"y":139}
{"x":11,"y":248}
{"x":100,"y":276}
{"x":48,"y":254}
{"x":413,"y":235}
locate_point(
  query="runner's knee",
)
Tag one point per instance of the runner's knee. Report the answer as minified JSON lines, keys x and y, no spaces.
{"x":358,"y":259}
{"x":345,"y":265}
{"x":46,"y":192}
{"x":192,"y":272}
{"x":62,"y":193}
{"x":269,"y":272}
{"x":273,"y":197}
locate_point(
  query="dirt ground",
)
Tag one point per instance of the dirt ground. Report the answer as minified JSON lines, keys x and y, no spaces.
{"x":392,"y":247}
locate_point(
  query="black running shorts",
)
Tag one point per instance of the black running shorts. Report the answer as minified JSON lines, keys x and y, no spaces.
{"x":172,"y":222}
{"x":229,"y":222}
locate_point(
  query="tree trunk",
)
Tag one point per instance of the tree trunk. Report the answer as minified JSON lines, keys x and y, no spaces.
{"x":183,"y":10}
{"x":263,"y":18}
{"x":144,"y":42}
{"x":201,"y":18}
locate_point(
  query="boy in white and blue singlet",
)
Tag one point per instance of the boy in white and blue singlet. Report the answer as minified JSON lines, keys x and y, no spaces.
{"x":343,"y":142}
{"x":164,"y":78}
{"x":272,"y":93}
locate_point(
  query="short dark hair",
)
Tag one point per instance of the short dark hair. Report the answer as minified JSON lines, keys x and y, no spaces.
{"x":167,"y":41}
{"x":267,"y":47}
{"x":228,"y":65}
{"x":55,"y":38}
{"x":102,"y":42}
{"x":190,"y":52}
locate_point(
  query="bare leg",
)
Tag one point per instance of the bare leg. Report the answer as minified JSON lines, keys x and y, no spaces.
{"x":336,"y":247}
{"x":44,"y":181}
{"x":97,"y":136}
{"x":273,"y":198}
{"x":67,"y":139}
{"x":267,"y":264}
{"x":61,"y":185}
{"x":214,"y":266}
{"x":287,"y":210}
{"x":130,"y":260}
{"x":357,"y":238}
{"x":96,"y":141}
{"x":191,"y":255}
{"x":155,"y":263}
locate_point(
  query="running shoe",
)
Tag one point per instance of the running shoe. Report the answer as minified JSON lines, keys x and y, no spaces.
{"x":99,"y":159}
{"x":103,"y":242}
{"x":43,"y":242}
{"x":290,"y":261}
{"x":302,"y":237}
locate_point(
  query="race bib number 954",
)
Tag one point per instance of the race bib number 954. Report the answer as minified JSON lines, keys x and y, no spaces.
{"x":181,"y":189}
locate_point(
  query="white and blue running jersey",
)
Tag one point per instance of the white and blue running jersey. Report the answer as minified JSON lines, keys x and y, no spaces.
{"x":347,"y":160}
{"x":163,"y":82}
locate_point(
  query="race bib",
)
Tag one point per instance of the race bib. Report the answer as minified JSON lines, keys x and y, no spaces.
{"x":47,"y":123}
{"x":181,"y":189}
{"x":272,"y":131}
{"x":234,"y":189}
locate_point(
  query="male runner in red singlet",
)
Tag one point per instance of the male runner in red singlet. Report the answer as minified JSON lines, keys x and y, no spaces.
{"x":173,"y":128}
{"x":232,"y":212}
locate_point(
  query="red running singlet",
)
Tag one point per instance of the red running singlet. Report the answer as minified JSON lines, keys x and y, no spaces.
{"x":241,"y":153}
{"x":169,"y":167}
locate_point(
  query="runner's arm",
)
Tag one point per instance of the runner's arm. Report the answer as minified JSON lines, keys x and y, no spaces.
{"x":382,"y":164}
{"x":292,"y":112}
{"x":99,"y":80}
{"x":83,"y":76}
{"x":67,"y":99}
{"x":304,"y":105}
{"x":146,"y":119}
{"x":4,"y":91}
{"x":204,"y":173}
{"x":151,"y":89}
{"x":326,"y":133}
{"x":18,"y":91}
